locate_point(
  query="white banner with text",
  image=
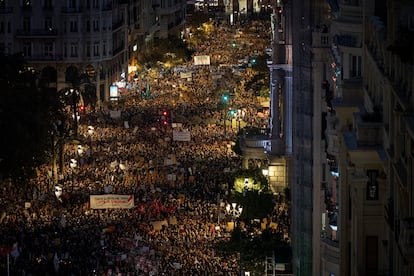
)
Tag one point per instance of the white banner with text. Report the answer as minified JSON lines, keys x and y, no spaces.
{"x":111,"y":201}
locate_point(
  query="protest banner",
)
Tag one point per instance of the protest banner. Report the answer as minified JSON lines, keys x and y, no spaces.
{"x":111,"y":201}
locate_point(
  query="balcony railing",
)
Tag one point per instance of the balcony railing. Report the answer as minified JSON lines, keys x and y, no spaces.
{"x":36,"y":33}
{"x":43,"y":58}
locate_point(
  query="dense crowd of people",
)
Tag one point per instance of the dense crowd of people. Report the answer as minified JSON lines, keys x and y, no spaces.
{"x":179,"y":187}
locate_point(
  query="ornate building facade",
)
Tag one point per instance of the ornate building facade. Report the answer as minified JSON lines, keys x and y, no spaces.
{"x":95,"y":38}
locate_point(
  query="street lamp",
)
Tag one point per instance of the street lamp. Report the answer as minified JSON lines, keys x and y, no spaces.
{"x":235,"y":212}
{"x":80,"y":150}
{"x":90,"y":133}
{"x":74,"y":93}
{"x":225,"y":101}
{"x":73,"y":164}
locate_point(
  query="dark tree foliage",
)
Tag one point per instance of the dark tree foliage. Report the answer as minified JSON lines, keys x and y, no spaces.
{"x":26,"y":114}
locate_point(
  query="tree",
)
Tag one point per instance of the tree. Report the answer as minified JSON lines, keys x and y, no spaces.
{"x":26,"y":113}
{"x":251,"y":190}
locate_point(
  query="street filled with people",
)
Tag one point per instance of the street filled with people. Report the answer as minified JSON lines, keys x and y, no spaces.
{"x":164,"y":145}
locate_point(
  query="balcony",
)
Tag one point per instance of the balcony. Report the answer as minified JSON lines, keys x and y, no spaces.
{"x":254,"y":143}
{"x":71,"y":9}
{"x":368,"y":129}
{"x":36,"y":33}
{"x":407,"y":238}
{"x":43,"y":58}
{"x":330,"y":251}
{"x":168,"y":10}
{"x":347,"y":41}
{"x":6,"y":10}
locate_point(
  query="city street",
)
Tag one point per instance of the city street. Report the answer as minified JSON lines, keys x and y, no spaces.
{"x":144,"y":188}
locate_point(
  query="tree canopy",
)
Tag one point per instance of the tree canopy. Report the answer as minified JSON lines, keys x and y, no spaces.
{"x":27,"y":111}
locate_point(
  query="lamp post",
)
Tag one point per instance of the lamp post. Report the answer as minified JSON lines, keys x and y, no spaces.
{"x":235,"y":211}
{"x":74,"y":93}
{"x":225,"y":101}
{"x":90,"y":133}
{"x":73,"y":164}
{"x":80,"y":152}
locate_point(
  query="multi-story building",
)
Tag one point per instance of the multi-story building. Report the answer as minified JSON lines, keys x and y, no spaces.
{"x":93,"y":38}
{"x":352,"y":180}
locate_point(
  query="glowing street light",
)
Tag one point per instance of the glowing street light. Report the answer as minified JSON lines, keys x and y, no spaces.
{"x":234,"y":210}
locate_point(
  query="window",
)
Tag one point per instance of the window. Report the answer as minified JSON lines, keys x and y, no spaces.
{"x":96,"y":49}
{"x":95,"y":4}
{"x":73,"y":26}
{"x":27,"y":49}
{"x":73,"y":50}
{"x":88,"y":49}
{"x":324,"y":39}
{"x":96,"y":25}
{"x":104,"y":48}
{"x":356,"y":67}
{"x":372,"y":185}
{"x":26,"y":24}
{"x":72,"y":4}
{"x":65,"y":49}
{"x":48,"y":49}
{"x":2,"y":4}
{"x":2,"y":27}
{"x":48,"y":4}
{"x":48,"y":23}
{"x":88,"y":25}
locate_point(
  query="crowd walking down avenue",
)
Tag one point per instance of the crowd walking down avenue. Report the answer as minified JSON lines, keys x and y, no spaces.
{"x":168,"y":151}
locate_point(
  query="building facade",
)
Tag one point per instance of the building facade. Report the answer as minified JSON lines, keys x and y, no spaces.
{"x":352,"y":180}
{"x":93,"y":38}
